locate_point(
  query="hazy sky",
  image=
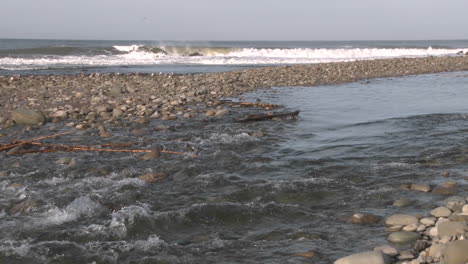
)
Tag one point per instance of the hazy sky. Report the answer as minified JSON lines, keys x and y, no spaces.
{"x":235,"y":19}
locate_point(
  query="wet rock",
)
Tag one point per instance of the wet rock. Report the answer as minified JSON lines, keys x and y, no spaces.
{"x":441,"y":211}
{"x":428,"y":221}
{"x":410,"y":228}
{"x":28,"y":117}
{"x":394,"y":228}
{"x":103,"y":132}
{"x":63,"y":160}
{"x":406,"y":255}
{"x":59,"y":114}
{"x":364,"y":219}
{"x":456,"y":252}
{"x":420,"y":187}
{"x":15,"y":150}
{"x":436,"y":251}
{"x":154,"y":154}
{"x":221,"y":112}
{"x":388,"y":250}
{"x":82,"y":126}
{"x":400,"y":219}
{"x":152,"y":177}
{"x":421,"y":245}
{"x":369,"y":257}
{"x":210,"y":113}
{"x":403,"y":237}
{"x":307,"y":254}
{"x":22,"y":207}
{"x":455,"y":203}
{"x":443,"y":190}
{"x":451,"y":228}
{"x":142,"y":121}
{"x":117,"y":113}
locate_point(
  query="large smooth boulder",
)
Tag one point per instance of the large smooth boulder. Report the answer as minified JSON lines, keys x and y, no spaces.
{"x":368,"y":257}
{"x":28,"y":117}
{"x":456,"y":252}
{"x":441,"y":211}
{"x":451,"y":228}
{"x":400,"y":219}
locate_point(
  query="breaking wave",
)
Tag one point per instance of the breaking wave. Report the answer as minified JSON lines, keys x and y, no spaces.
{"x":78,"y":57}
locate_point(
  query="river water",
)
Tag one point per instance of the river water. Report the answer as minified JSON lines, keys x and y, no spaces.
{"x":258,"y":192}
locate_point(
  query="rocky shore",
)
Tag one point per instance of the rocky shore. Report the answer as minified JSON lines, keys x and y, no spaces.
{"x":106,"y":98}
{"x":438,"y":236}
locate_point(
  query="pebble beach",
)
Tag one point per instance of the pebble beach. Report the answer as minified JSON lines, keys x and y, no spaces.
{"x":106,"y":97}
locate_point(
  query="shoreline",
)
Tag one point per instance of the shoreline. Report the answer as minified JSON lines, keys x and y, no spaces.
{"x":169,"y":96}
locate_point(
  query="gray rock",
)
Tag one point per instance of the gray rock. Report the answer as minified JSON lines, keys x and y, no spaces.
{"x":63,"y":160}
{"x":451,"y":228}
{"x":456,"y":252}
{"x":388,"y":250}
{"x":441,"y":211}
{"x":436,"y":251}
{"x":154,"y":154}
{"x":455,"y":203}
{"x":403,"y":237}
{"x":429,"y":221}
{"x":221,"y":113}
{"x":369,"y":257}
{"x":364,"y":219}
{"x":400,"y":219}
{"x":28,"y":117}
{"x":443,"y":190}
{"x":420,"y":187}
{"x":116,"y":91}
{"x":117,"y":113}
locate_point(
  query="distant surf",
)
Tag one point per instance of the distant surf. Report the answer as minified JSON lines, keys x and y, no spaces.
{"x":94,"y":54}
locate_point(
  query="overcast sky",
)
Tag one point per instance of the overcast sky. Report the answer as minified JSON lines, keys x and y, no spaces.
{"x":235,"y":19}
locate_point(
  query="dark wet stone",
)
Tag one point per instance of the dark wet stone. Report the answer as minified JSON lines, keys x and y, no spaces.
{"x":442,"y":190}
{"x":364,"y":219}
{"x":154,"y":154}
{"x":22,"y":207}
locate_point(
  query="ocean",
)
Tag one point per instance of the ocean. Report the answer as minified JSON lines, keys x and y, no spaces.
{"x":44,"y":57}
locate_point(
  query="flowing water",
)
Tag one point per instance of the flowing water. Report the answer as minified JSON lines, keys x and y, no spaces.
{"x":258,"y":192}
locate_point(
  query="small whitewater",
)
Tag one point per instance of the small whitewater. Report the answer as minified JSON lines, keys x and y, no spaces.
{"x":76,"y":57}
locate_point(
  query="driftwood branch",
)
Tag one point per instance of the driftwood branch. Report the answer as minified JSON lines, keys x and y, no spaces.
{"x":45,"y":148}
{"x":267,"y":116}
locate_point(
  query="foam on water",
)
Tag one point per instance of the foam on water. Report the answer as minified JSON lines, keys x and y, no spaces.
{"x":81,"y":206}
{"x":142,"y":55}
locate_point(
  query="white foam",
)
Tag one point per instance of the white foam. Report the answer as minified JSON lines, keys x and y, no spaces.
{"x":247,"y":56}
{"x":127,"y":48}
{"x":81,"y":206}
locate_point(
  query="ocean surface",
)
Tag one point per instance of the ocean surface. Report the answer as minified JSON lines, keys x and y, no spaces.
{"x":77,"y":56}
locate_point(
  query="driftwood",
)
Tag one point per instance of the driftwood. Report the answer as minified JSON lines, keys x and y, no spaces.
{"x":45,"y":148}
{"x":267,"y":116}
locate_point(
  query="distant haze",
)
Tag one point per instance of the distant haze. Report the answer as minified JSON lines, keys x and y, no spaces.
{"x":235,"y":20}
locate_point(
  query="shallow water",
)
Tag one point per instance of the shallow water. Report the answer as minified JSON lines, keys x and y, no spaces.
{"x":249,"y":197}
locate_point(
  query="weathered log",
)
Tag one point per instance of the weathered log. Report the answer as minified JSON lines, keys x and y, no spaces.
{"x":267,"y":116}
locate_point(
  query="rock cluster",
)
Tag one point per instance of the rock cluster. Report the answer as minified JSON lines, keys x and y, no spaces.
{"x":439,"y":237}
{"x":97,"y":98}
